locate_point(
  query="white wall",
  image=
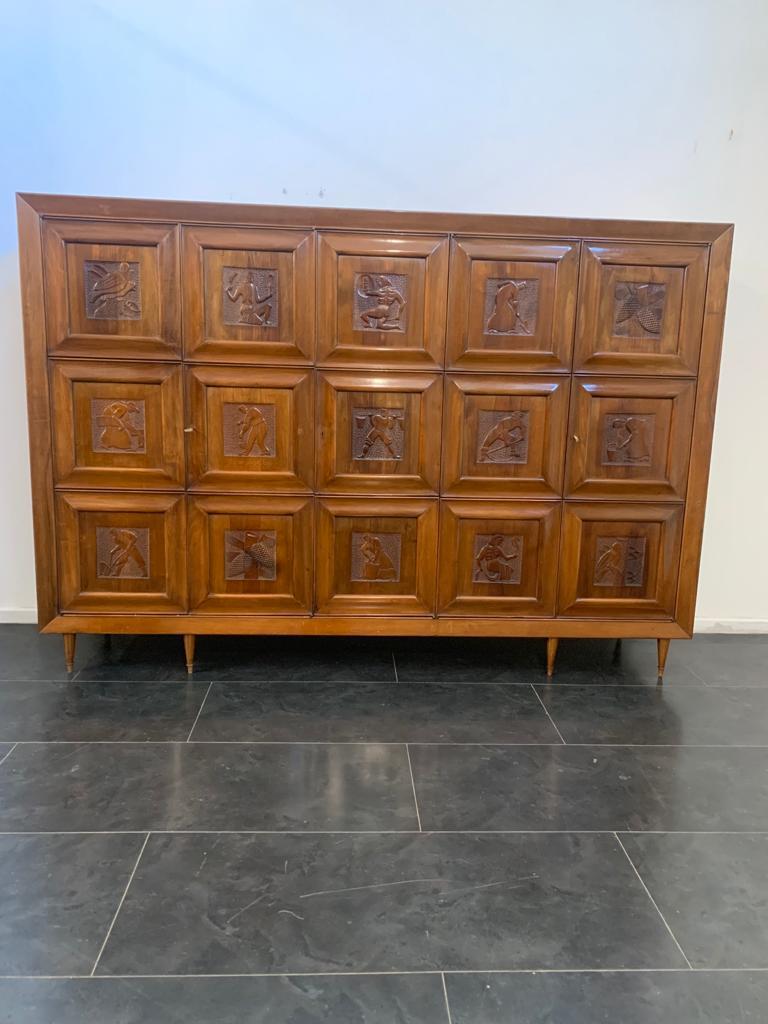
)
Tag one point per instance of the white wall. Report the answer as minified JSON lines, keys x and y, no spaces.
{"x":605,"y":108}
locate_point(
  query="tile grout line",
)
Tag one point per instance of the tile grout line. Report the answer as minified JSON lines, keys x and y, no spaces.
{"x":120,"y":905}
{"x":653,"y":901}
{"x":200,"y":711}
{"x":413,"y":787}
{"x":394,"y":666}
{"x":445,"y":993}
{"x":376,"y":832}
{"x":551,"y":720}
{"x":8,"y":753}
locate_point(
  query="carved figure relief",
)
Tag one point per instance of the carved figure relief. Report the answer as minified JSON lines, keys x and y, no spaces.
{"x":112,"y":290}
{"x":510,"y":306}
{"x":250,"y":555}
{"x":619,"y":562}
{"x":122,"y":552}
{"x":117,"y":426}
{"x":638,"y":310}
{"x":627,"y":440}
{"x":249,"y":430}
{"x":498,"y":558}
{"x":502,"y":436}
{"x":377,"y":434}
{"x":376,"y":557}
{"x":250,"y":297}
{"x":379,"y":302}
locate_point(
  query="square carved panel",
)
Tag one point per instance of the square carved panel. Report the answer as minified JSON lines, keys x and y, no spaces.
{"x":251,"y":429}
{"x":382,"y":299}
{"x":630,"y":437}
{"x":117,"y":424}
{"x":376,"y":556}
{"x":512,"y":304}
{"x":503,"y":557}
{"x":249,"y":295}
{"x":112,"y":289}
{"x":503,"y":435}
{"x":250,"y":554}
{"x":620,"y":560}
{"x":378,"y":433}
{"x":121,"y":552}
{"x":641,"y":307}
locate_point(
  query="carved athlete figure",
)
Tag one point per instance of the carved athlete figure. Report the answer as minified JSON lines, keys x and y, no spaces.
{"x":123,"y":551}
{"x":495,"y":563}
{"x":252,"y":430}
{"x":505,"y":318}
{"x":501,"y":442}
{"x":383,"y":424}
{"x":377,"y":563}
{"x":610,"y":565}
{"x":386,"y":315}
{"x":118,"y":430}
{"x":112,"y":284}
{"x":631,"y":440}
{"x":255,"y":309}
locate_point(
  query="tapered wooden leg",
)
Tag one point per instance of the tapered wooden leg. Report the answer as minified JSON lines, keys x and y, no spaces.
{"x":70,"y":640}
{"x":662,"y":646}
{"x":552,"y":643}
{"x":189,"y":651}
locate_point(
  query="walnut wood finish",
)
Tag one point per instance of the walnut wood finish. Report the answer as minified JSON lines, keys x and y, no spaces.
{"x":365,"y":427}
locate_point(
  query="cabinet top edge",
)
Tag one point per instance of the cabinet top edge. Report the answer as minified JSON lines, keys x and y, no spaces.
{"x":109,"y":208}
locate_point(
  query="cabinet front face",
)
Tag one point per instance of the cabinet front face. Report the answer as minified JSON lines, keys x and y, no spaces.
{"x":629,"y":438}
{"x":251,"y":429}
{"x":376,"y":556}
{"x":379,"y":433}
{"x":504,"y":435}
{"x":382,"y":300}
{"x":499,"y":558}
{"x":117,"y":425}
{"x":121,"y":552}
{"x":249,"y":295}
{"x":620,"y":560}
{"x":111,"y":289}
{"x":250,"y":555}
{"x":512,"y":304}
{"x":641,"y":307}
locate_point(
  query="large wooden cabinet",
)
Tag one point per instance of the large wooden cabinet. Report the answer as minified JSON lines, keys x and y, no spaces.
{"x":250,"y":419}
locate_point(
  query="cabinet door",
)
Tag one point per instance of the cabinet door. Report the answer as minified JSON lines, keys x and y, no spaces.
{"x":629,"y":438}
{"x":641,"y":307}
{"x":249,"y":295}
{"x":382,"y":299}
{"x":504,"y":435}
{"x":250,"y":554}
{"x":121,"y":552}
{"x":379,"y":432}
{"x":512,"y":304}
{"x":112,"y":289}
{"x":620,"y":560}
{"x":251,"y":429}
{"x":117,"y":424}
{"x":376,"y":556}
{"x":499,"y":557}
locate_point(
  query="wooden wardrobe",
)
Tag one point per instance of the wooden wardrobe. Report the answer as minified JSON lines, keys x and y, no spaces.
{"x":286,"y":420}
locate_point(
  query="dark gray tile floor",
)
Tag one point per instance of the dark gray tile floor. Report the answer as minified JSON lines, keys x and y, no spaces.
{"x":343,"y":831}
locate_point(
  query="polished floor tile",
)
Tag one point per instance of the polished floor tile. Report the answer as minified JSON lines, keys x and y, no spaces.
{"x":26,"y":653}
{"x":680,"y":997}
{"x":713,"y":892}
{"x":134,"y":658}
{"x":58,"y":895}
{"x":233,"y":903}
{"x":124,"y":786}
{"x":621,"y":663}
{"x":397,"y":999}
{"x":98,"y":711}
{"x":374,"y":712}
{"x":569,"y":787}
{"x":468,"y":660}
{"x":664,"y":714}
{"x":729,"y":660}
{"x":350,"y":659}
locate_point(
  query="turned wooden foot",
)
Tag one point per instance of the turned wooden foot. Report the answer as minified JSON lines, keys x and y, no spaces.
{"x":189,"y":651}
{"x":552,"y":643}
{"x":663,"y":649}
{"x":70,"y":640}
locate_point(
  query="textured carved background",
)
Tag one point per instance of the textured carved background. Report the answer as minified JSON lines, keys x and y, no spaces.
{"x":112,"y":290}
{"x":511,"y":305}
{"x":117,"y":425}
{"x":250,"y":554}
{"x":498,"y":558}
{"x":249,"y":297}
{"x":638,"y":309}
{"x":627,"y":440}
{"x":380,"y":302}
{"x":376,"y":557}
{"x":122,"y":552}
{"x":619,"y":561}
{"x":249,"y":430}
{"x":502,"y":436}
{"x":377,"y":434}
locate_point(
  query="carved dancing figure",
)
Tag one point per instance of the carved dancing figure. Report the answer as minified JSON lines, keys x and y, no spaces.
{"x":496,"y":564}
{"x":632,"y":440}
{"x":112,"y":284}
{"x":119,"y":430}
{"x":252,"y":430}
{"x":505,"y":318}
{"x":502,"y":441}
{"x":610,"y":565}
{"x":255,"y":309}
{"x":383,"y":425}
{"x":123,"y":551}
{"x":386,"y":315}
{"x":255,"y":552}
{"x":377,"y":565}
